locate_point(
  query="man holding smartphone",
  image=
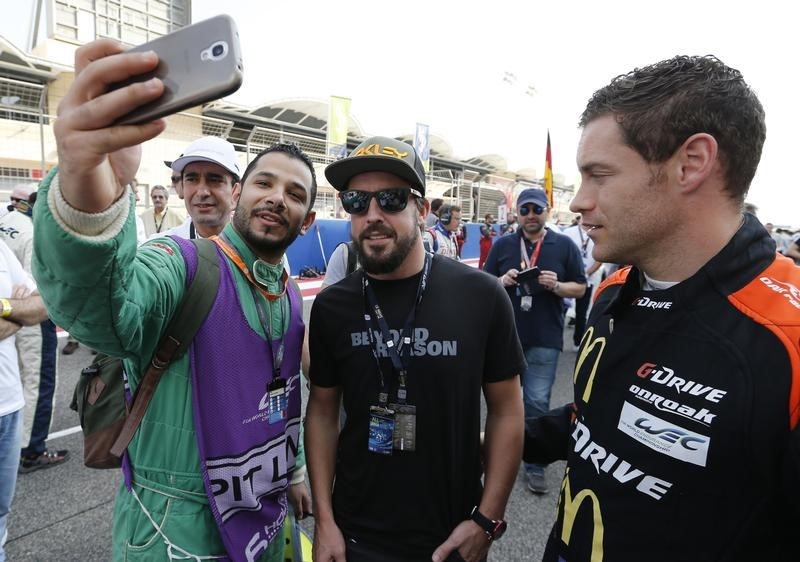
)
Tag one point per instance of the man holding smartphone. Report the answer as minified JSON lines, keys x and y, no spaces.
{"x":538,"y":300}
{"x":207,"y":472}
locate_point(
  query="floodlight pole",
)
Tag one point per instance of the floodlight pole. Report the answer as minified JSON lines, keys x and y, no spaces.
{"x":41,"y":128}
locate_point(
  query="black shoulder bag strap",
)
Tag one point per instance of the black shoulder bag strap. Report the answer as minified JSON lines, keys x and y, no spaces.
{"x":185,"y":323}
{"x":352,"y":257}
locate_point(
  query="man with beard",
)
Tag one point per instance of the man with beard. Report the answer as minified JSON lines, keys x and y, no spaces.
{"x":538,"y":301}
{"x":396,"y":342}
{"x":206,"y":473}
{"x":209,"y":197}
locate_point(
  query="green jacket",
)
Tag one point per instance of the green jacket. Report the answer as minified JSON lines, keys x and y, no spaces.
{"x":118,"y":300}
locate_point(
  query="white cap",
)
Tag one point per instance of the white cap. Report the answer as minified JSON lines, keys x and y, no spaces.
{"x":209,"y":149}
{"x":22,"y":191}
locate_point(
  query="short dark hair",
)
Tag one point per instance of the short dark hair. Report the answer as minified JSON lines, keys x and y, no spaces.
{"x":659,"y":106}
{"x":293,"y":151}
{"x":435,"y":204}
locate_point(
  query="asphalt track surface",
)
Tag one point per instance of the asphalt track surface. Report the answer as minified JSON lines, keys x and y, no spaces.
{"x":64,"y":513}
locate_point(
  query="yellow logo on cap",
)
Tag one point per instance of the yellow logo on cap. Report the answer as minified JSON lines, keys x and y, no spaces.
{"x":378,"y":150}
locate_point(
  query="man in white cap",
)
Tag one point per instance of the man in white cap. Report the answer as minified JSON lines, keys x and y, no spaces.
{"x":19,"y":194}
{"x":209,"y":199}
{"x":207,"y":176}
{"x":208,"y":471}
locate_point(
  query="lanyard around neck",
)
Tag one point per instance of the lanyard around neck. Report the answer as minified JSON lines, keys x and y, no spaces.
{"x":159,"y":224}
{"x":526,"y":261}
{"x":275,"y":357}
{"x":237,"y":259}
{"x":584,"y":240}
{"x":401,"y":353}
{"x":255,"y":288}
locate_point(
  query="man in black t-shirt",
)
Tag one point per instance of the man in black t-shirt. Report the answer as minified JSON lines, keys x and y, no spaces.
{"x":409,"y":360}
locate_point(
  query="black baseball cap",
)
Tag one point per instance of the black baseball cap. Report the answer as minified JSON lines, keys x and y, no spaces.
{"x":379,"y":154}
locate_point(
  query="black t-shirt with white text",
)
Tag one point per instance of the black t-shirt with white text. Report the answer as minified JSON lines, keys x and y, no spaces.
{"x":464,"y":336}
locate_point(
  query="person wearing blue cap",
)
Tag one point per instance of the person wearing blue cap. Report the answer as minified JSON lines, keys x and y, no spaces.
{"x":553,"y":270}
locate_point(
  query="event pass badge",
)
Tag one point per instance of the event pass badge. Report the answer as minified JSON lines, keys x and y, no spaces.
{"x":405,"y":426}
{"x":381,"y":430}
{"x":277,"y":400}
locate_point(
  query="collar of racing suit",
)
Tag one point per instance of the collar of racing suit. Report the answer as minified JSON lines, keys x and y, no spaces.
{"x":749,"y":252}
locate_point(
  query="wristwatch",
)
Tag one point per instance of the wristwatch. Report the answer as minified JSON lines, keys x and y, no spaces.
{"x":494,"y":528}
{"x":6,"y":309}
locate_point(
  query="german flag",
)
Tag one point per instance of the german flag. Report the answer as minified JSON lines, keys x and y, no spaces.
{"x":548,"y":172}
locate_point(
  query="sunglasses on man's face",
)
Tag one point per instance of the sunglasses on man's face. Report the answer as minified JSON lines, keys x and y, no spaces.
{"x":356,"y":202}
{"x":537,"y":209}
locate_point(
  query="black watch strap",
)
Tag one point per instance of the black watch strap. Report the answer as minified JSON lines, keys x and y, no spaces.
{"x":494,"y":528}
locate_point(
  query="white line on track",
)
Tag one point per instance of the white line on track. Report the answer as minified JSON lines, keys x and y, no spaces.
{"x":64,"y":432}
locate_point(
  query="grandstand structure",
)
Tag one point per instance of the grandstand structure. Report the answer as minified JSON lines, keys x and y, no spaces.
{"x":33,"y":81}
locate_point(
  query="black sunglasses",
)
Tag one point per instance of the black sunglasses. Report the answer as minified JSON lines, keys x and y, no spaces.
{"x":527,"y":208}
{"x":394,"y":200}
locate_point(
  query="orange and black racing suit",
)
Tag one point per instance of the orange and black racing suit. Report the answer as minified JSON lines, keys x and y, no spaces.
{"x":682,"y":441}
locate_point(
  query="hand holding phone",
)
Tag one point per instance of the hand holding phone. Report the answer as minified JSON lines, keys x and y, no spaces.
{"x":527,"y":280}
{"x":96,"y":158}
{"x":197,"y":64}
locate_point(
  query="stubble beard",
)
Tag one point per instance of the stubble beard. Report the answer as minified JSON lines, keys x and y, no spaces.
{"x":386,"y":262}
{"x":532,"y":228}
{"x":262,"y":246}
{"x":215,"y":221}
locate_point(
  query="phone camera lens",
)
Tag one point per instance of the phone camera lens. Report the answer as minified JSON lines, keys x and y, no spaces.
{"x":215,"y":52}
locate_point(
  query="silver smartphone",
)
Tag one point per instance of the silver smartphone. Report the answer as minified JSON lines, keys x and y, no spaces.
{"x":197,"y":64}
